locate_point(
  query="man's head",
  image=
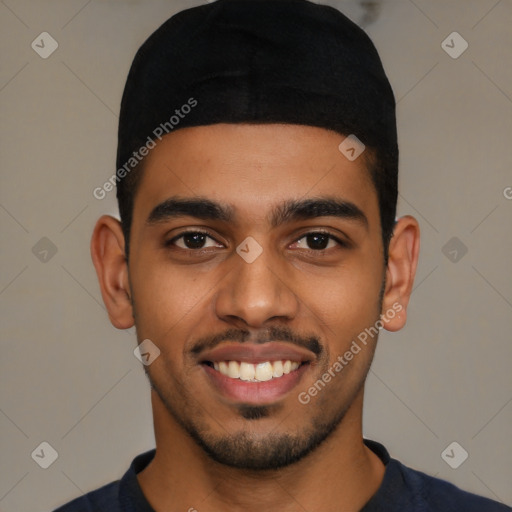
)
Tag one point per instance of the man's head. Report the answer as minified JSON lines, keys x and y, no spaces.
{"x":260,"y":61}
{"x":254,"y":238}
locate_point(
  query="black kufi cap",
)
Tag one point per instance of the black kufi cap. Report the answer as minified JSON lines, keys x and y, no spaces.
{"x":257,"y":61}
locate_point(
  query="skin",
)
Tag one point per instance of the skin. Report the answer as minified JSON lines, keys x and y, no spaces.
{"x":176,"y":297}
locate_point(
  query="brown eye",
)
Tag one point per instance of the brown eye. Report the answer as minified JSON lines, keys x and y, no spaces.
{"x":318,"y":241}
{"x":193,"y":240}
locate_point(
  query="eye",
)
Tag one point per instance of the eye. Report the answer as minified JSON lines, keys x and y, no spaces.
{"x":318,"y":241}
{"x":193,"y":240}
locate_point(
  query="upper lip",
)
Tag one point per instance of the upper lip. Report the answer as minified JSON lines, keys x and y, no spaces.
{"x":250,"y":353}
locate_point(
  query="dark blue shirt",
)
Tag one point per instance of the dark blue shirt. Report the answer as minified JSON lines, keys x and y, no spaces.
{"x":402,"y":490}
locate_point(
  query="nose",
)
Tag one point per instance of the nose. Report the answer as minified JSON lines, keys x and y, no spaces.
{"x":256,"y":292}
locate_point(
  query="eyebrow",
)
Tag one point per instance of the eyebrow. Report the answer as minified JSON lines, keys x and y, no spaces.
{"x":289,"y":211}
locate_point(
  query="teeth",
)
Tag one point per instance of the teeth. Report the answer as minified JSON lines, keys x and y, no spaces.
{"x":263,"y":371}
{"x":260,"y":372}
{"x":247,"y":371}
{"x":278,"y":369}
{"x":233,"y":370}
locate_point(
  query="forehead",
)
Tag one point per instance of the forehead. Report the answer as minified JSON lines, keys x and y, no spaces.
{"x":253,"y":169}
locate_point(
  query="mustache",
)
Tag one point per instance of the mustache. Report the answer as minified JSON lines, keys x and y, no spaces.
{"x":311,"y":343}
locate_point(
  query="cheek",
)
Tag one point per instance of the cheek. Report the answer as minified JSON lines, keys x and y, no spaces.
{"x":343,"y":297}
{"x":165,"y":297}
{"x":345,"y":308}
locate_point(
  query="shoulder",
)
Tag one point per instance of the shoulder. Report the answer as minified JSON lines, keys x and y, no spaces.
{"x":441,"y":496}
{"x":104,"y":498}
{"x":118,"y":495}
{"x":404,"y":489}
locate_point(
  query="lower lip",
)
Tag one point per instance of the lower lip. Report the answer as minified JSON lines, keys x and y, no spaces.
{"x":255,"y":392}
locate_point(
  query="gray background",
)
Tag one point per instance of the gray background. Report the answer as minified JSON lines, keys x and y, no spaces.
{"x":70,"y":379}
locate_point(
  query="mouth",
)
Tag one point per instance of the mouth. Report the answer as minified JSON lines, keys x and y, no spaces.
{"x":255,"y":375}
{"x":259,"y":372}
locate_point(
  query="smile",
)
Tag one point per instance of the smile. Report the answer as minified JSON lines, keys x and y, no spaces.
{"x":259,"y":372}
{"x":254,"y":383}
{"x":254,"y":373}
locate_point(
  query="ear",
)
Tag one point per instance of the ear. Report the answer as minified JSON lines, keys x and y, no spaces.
{"x":107,"y":251}
{"x":404,"y":251}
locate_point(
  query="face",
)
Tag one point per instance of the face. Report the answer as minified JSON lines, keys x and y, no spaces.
{"x":257,"y":269}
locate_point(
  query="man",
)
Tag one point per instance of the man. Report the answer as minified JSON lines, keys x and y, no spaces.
{"x":258,"y":256}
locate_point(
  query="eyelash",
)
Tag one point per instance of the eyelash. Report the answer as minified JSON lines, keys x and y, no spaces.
{"x":330,"y":236}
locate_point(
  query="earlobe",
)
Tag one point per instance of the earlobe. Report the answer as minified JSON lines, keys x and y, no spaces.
{"x":401,"y":270}
{"x":108,"y":256}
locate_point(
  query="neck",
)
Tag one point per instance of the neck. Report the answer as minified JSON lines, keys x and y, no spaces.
{"x":341,"y":474}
